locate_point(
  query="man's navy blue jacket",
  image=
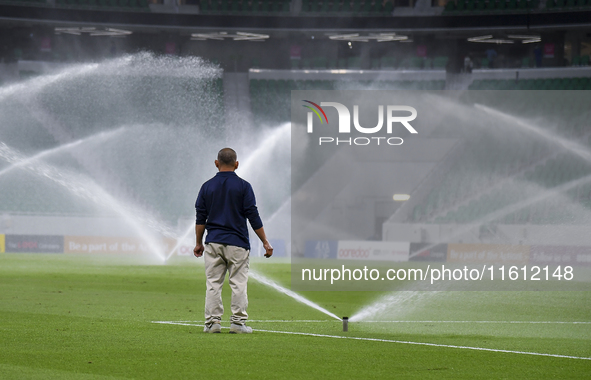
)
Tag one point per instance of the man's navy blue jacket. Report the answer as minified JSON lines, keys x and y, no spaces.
{"x":223,"y":205}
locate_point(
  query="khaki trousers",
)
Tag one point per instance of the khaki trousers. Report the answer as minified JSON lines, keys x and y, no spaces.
{"x":219,"y":259}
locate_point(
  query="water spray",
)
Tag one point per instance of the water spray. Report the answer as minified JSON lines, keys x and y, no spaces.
{"x":180,"y":241}
{"x":266,"y":281}
{"x":86,"y":188}
{"x":59,"y":149}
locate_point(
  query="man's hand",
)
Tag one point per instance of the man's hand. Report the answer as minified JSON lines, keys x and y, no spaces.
{"x":268,"y":249}
{"x":199,"y":248}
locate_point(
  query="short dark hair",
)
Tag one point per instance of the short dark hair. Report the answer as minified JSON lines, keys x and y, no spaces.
{"x":227,"y":157}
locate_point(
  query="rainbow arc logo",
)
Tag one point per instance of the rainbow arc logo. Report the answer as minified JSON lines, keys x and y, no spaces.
{"x":316,"y":112}
{"x":388,"y":118}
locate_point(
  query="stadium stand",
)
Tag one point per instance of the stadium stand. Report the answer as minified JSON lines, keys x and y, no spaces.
{"x":567,"y":4}
{"x":135,"y":5}
{"x":131,"y":101}
{"x":487,"y":178}
{"x":458,"y":191}
{"x":128,"y":5}
{"x":580,"y":60}
{"x":462,"y":197}
{"x":465,"y":6}
{"x":581,"y":83}
{"x":244,"y":6}
{"x":386,"y":62}
{"x":496,"y":172}
{"x":355,"y":7}
{"x":25,"y":2}
{"x":26,"y":193}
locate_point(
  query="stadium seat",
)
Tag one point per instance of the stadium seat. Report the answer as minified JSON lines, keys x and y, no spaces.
{"x":366,"y":8}
{"x":576,"y":61}
{"x":354,"y":63}
{"x":319,"y":63}
{"x":388,"y":62}
{"x":417,"y":213}
{"x":450,"y":6}
{"x":440,"y":62}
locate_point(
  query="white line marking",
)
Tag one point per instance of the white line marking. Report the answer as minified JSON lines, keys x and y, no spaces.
{"x":270,"y":321}
{"x":361,"y":322}
{"x":395,"y":341}
{"x":526,"y":322}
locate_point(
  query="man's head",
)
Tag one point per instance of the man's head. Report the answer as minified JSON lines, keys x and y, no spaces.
{"x":226,"y":160}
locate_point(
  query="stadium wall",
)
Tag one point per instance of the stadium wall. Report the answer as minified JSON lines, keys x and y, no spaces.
{"x":351,"y":250}
{"x":69,"y":234}
{"x":125,"y":245}
{"x":401,"y":251}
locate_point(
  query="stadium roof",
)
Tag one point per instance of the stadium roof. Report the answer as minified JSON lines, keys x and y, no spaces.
{"x":33,"y":15}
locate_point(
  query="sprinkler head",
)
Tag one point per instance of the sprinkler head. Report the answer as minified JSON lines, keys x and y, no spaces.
{"x":345,"y":323}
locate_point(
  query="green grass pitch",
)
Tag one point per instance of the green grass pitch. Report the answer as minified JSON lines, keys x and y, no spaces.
{"x":83,"y":317}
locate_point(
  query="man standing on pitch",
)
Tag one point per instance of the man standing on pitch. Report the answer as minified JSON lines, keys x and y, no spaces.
{"x":223,"y":205}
